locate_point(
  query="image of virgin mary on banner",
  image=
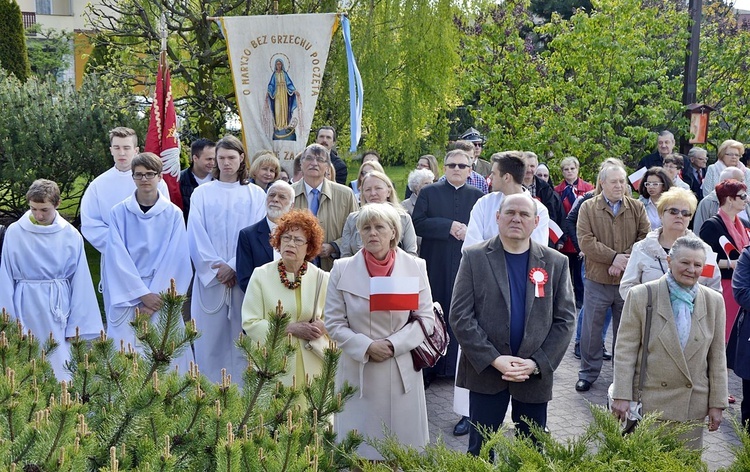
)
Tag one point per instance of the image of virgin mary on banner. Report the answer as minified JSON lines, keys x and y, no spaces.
{"x":277,"y":64}
{"x":282,"y":103}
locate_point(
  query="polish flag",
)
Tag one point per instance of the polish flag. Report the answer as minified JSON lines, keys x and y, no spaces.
{"x":636,"y":177}
{"x":555,"y":232}
{"x":727,"y":246}
{"x":394,"y":293}
{"x":710,"y":267}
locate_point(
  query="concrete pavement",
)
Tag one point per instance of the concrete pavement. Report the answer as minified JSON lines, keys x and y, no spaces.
{"x":569,"y":415}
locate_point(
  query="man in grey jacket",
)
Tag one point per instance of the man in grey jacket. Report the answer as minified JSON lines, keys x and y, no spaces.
{"x":512,"y":312}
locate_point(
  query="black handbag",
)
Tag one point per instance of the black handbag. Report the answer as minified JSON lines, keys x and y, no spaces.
{"x":435,"y":344}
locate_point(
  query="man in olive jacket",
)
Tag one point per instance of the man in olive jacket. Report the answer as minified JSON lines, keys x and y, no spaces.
{"x":512,"y":313}
{"x":329,"y":201}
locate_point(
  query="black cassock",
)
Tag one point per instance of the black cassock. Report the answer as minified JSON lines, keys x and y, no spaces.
{"x":437,"y":207}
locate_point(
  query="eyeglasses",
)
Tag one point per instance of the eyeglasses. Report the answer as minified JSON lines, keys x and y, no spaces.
{"x":310,"y":158}
{"x":141,"y":175}
{"x":653,"y":184}
{"x":460,"y":166}
{"x":288,"y":238}
{"x":478,"y":144}
{"x":423,"y":166}
{"x":742,"y":196}
{"x":732,"y":155}
{"x":677,"y":211}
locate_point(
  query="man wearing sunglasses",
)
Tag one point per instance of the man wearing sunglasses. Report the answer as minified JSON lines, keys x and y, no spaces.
{"x":440,"y":217}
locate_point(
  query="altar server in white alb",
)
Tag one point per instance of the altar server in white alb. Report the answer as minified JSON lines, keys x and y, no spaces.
{"x":109,"y":189}
{"x":145,"y":250}
{"x":218,"y":211}
{"x":44,"y":277}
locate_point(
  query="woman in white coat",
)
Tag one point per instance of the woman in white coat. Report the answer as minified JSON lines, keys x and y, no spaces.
{"x":371,"y":326}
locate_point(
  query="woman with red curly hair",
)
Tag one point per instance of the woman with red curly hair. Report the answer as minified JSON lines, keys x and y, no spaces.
{"x":295,"y":282}
{"x":726,"y":223}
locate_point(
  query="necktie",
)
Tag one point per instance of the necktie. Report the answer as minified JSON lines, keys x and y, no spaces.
{"x":315,"y":202}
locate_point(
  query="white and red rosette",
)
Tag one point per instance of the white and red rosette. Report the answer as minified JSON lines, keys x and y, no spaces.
{"x":538,"y":277}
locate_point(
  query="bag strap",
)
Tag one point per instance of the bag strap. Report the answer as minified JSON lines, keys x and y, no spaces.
{"x":647,"y":335}
{"x":317,"y":296}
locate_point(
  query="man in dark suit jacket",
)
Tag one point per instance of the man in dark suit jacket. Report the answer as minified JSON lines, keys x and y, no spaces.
{"x":253,"y":246}
{"x":512,"y":313}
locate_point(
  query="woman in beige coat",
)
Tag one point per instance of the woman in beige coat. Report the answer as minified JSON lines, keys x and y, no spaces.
{"x":376,"y":344}
{"x":686,"y":375}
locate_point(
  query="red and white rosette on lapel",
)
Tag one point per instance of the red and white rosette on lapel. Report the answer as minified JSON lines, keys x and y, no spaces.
{"x":539,"y":278}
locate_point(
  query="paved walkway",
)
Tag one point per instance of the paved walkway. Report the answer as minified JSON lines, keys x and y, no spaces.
{"x":569,"y":413}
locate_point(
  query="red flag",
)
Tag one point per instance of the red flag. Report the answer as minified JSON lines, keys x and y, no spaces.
{"x":710,"y":267}
{"x":162,"y":138}
{"x":636,"y":177}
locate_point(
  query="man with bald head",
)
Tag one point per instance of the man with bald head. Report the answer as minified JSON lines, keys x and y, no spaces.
{"x":512,"y":313}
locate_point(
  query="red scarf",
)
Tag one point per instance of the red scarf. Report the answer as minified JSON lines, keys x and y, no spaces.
{"x":378,"y":268}
{"x":735,"y":229}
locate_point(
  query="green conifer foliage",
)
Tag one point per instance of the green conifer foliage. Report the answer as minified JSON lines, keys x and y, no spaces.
{"x":13,"y":56}
{"x":126,"y":411}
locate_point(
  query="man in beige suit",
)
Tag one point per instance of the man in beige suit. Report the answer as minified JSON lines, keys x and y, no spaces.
{"x":329,"y":201}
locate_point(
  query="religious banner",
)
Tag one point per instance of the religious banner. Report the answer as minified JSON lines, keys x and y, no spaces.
{"x":162,"y":138}
{"x":277,"y":64}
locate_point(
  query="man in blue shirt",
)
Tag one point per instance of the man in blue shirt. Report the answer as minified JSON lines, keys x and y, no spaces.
{"x":512,"y":313}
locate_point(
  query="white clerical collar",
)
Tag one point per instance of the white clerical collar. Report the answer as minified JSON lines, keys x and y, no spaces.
{"x":454,"y":186}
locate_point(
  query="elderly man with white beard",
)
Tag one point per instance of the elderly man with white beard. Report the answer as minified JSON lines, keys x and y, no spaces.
{"x":253,"y":246}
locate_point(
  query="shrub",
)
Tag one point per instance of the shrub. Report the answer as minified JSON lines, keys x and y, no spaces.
{"x":50,"y":130}
{"x":123,"y":411}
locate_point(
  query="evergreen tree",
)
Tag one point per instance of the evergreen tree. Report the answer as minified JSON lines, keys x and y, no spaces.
{"x":123,"y":411}
{"x":13,"y":56}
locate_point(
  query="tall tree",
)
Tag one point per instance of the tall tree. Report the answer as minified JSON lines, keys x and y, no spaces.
{"x":609,"y":80}
{"x":13,"y":57}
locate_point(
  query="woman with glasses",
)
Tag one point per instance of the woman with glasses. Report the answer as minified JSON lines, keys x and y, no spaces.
{"x":377,"y":188}
{"x":297,"y":284}
{"x":648,"y":259}
{"x":428,"y":161}
{"x":653,"y":185}
{"x":218,"y":211}
{"x":728,"y":155}
{"x":726,"y":233}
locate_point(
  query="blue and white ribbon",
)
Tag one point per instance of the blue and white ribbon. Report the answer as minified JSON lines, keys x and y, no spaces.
{"x":356,"y":93}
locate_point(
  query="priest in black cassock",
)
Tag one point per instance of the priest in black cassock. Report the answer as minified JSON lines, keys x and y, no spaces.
{"x":440,"y":217}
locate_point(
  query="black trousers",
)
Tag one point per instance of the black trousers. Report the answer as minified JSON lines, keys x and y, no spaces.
{"x":489,"y":411}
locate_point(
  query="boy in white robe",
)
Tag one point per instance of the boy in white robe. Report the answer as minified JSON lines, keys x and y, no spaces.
{"x":218,"y":211}
{"x":145,"y":250}
{"x":44,"y":276}
{"x":109,"y":189}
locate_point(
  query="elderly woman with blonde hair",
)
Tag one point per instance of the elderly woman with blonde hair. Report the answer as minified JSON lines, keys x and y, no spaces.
{"x":648,"y":259}
{"x":728,"y":155}
{"x":264,"y":169}
{"x":370,"y":298}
